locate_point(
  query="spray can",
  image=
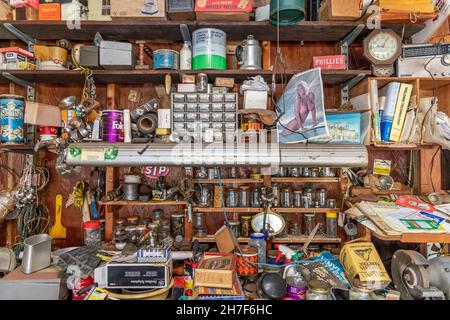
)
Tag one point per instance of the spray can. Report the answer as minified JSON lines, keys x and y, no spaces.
{"x":127,"y":126}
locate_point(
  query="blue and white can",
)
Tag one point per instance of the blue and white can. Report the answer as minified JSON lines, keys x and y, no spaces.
{"x":165,"y":59}
{"x":12,"y":112}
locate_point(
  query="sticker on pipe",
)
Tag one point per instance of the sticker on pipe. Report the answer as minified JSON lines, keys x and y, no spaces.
{"x":154,"y":172}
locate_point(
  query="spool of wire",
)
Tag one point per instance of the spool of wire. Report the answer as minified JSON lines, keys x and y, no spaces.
{"x":130,"y":191}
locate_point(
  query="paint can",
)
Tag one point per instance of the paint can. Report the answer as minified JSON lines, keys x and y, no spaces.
{"x":166,"y":59}
{"x":48,"y":133}
{"x":112,"y":123}
{"x":12,"y":110}
{"x":209,"y":49}
{"x":244,"y":268}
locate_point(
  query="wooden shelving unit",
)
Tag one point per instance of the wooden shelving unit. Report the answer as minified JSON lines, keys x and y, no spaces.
{"x":257,"y":210}
{"x":230,"y":181}
{"x":289,"y":239}
{"x":170,"y":30}
{"x":119,"y":203}
{"x":306,"y":180}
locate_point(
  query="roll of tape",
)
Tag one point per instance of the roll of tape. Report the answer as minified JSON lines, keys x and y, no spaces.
{"x":147,"y":123}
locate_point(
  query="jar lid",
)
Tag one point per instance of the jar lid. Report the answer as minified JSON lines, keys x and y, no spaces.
{"x":331,"y":215}
{"x":177,"y":215}
{"x":120,"y":222}
{"x":247,"y":250}
{"x":319,"y":286}
{"x":246,"y":217}
{"x":257,"y":236}
{"x":93,"y":224}
{"x":133,"y":219}
{"x":307,"y":190}
{"x":141,"y":227}
{"x":234,"y":222}
{"x":298,"y":191}
{"x":244,"y":188}
{"x":255,"y":176}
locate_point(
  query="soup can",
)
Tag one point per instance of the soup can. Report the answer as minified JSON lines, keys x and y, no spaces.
{"x":12,"y":110}
{"x":112,"y":124}
{"x":48,"y":133}
{"x":243,"y":267}
{"x":165,"y":59}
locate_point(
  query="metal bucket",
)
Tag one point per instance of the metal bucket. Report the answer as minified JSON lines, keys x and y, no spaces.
{"x":166,"y":59}
{"x":37,"y":253}
{"x":209,"y":50}
{"x":112,"y":124}
{"x":288,"y":13}
{"x":12,"y":110}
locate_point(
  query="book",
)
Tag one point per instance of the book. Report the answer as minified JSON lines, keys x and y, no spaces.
{"x":398,"y":120}
{"x":390,"y":91}
{"x":409,"y":123}
{"x":375,"y":108}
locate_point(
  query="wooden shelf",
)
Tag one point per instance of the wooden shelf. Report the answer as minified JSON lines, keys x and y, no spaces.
{"x":141,"y":203}
{"x":330,"y":77}
{"x":258,"y":210}
{"x":305,"y":179}
{"x":289,"y":239}
{"x":17,"y":148}
{"x":230,"y":181}
{"x":140,"y":29}
{"x":414,"y":237}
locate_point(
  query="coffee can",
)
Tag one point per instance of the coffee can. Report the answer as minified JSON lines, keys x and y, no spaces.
{"x":12,"y":112}
{"x":112,"y":124}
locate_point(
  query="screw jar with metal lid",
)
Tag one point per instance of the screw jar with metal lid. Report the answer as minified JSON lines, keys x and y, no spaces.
{"x":286,"y":198}
{"x":177,"y":221}
{"x":132,"y":220}
{"x":294,"y":228}
{"x":234,"y":227}
{"x":234,"y":173}
{"x":294,"y":172}
{"x":282,"y":172}
{"x":309,"y":221}
{"x":356,"y":293}
{"x":298,"y":198}
{"x":327,"y":172}
{"x":318,"y":290}
{"x":131,"y":232}
{"x":314,"y":173}
{"x":201,"y":173}
{"x":244,"y":196}
{"x":204,"y":195}
{"x":232,"y":199}
{"x":246,"y":226}
{"x":321,"y":197}
{"x":141,"y":231}
{"x":306,"y":172}
{"x":120,"y":237}
{"x":92,"y":233}
{"x":308,"y":197}
{"x":199,"y":220}
{"x":163,"y":229}
{"x":157,"y":215}
{"x":331,"y":203}
{"x":256,"y":198}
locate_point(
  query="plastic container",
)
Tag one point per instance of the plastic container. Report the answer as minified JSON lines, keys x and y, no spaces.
{"x":257,"y":240}
{"x":92,"y":233}
{"x":331,"y":221}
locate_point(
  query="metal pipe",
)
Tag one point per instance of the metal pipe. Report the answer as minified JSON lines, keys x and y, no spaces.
{"x":216,"y":154}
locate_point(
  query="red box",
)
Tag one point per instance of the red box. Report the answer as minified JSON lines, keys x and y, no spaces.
{"x":229,"y":10}
{"x":23,"y":3}
{"x":330,"y":62}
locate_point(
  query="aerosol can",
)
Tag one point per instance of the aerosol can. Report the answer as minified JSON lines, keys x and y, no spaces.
{"x":186,"y":58}
{"x":249,"y":54}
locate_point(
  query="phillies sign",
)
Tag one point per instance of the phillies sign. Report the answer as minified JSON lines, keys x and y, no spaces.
{"x":330,"y":62}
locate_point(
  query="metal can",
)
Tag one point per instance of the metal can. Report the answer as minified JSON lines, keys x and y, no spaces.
{"x":165,"y":59}
{"x":112,"y":125}
{"x":245,"y":255}
{"x":232,"y":199}
{"x":12,"y":114}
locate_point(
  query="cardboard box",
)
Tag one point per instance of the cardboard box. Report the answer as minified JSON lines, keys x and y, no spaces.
{"x":23,"y":3}
{"x":16,"y":58}
{"x":335,"y":10}
{"x":41,"y":114}
{"x":363,"y":266}
{"x":5,"y":11}
{"x":49,"y":10}
{"x":255,"y":99}
{"x":231,"y":10}
{"x":138,"y":9}
{"x":181,"y":10}
{"x":215,"y":271}
{"x":224,"y":240}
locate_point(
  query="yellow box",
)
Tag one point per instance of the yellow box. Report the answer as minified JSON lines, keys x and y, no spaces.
{"x":335,"y":10}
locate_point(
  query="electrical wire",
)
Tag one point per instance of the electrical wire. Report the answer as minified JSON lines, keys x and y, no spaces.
{"x":431,"y":169}
{"x":78,"y":194}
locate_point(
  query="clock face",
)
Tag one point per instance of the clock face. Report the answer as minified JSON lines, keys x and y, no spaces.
{"x":383,"y":46}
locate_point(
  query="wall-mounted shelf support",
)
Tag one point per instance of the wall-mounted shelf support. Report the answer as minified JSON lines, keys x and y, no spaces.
{"x":347,"y":86}
{"x":348,"y":40}
{"x":29,"y":41}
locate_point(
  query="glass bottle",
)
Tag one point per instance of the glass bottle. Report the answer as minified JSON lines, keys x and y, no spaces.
{"x":257,"y":240}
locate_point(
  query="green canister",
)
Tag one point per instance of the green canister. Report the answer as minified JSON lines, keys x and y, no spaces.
{"x":287,"y":12}
{"x":209,"y":49}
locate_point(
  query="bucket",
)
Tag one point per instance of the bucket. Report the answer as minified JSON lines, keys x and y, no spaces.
{"x":12,"y":110}
{"x":209,"y":49}
{"x":48,"y":133}
{"x":289,"y":12}
{"x":112,"y":123}
{"x":165,"y":59}
{"x":244,"y":268}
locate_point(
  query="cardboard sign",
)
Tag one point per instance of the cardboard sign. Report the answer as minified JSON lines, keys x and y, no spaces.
{"x":414,"y":203}
{"x":330,"y":62}
{"x":154,"y":172}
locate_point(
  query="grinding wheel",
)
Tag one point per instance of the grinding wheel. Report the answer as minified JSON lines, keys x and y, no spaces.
{"x":409,"y":272}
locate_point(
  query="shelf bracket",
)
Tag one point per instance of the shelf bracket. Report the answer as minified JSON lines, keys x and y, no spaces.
{"x":347,"y":86}
{"x":29,"y":41}
{"x":348,"y":40}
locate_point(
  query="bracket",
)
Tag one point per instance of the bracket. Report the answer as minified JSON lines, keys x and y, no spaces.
{"x":348,"y":40}
{"x":347,"y":86}
{"x":29,"y":41}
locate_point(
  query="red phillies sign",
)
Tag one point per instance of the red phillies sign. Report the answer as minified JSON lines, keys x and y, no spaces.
{"x":156,"y":171}
{"x":330,"y":62}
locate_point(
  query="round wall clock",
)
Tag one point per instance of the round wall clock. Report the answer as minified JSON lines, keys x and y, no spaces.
{"x":382,"y":48}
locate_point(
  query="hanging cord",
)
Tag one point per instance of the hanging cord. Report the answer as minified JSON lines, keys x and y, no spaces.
{"x":78,"y":194}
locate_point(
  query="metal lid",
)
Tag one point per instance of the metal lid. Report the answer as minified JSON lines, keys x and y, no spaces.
{"x":319,"y":286}
{"x":246,"y":217}
{"x":133,"y":219}
{"x":234,"y":222}
{"x":177,"y":215}
{"x":257,"y":236}
{"x":251,"y":40}
{"x":247,"y":250}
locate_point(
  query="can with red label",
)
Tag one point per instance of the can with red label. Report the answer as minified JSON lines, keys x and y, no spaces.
{"x":48,"y":133}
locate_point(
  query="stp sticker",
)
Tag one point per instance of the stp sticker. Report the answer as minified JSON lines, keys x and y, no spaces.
{"x":156,"y":171}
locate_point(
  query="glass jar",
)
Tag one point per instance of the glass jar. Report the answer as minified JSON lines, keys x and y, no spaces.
{"x":234,"y":227}
{"x":120,"y":237}
{"x":286,"y":198}
{"x":356,"y":293}
{"x":202,"y":83}
{"x":232,"y":199}
{"x":306,"y":172}
{"x":308,"y":198}
{"x":92,"y":233}
{"x":327,"y":172}
{"x":157,"y":215}
{"x":132,"y":220}
{"x":309,"y":221}
{"x":246,"y":226}
{"x":331,"y":221}
{"x":258,"y":241}
{"x":132,"y":235}
{"x":321,"y":196}
{"x":199,"y":220}
{"x":201,"y":173}
{"x":204,"y":196}
{"x":256,"y":198}
{"x":297,"y":198}
{"x":211,"y":173}
{"x":318,"y":290}
{"x":277,"y":195}
{"x":177,"y":221}
{"x":234,"y":173}
{"x":282,"y":172}
{"x":163,"y":230}
{"x":331,"y":203}
{"x":294,"y":228}
{"x":294,"y":172}
{"x":314,"y":173}
{"x":141,"y":231}
{"x":244,"y":196}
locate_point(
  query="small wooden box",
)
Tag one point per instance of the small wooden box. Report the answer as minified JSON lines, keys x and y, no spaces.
{"x":138,"y":9}
{"x":180,"y":10}
{"x":335,"y":10}
{"x":215,"y":271}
